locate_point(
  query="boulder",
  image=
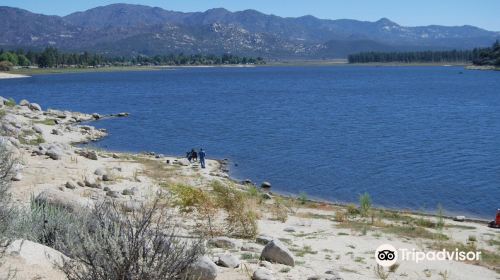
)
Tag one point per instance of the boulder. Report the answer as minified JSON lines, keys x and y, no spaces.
{"x":123,"y":114}
{"x":91,"y":183}
{"x":17,"y":177}
{"x":183,"y":162}
{"x":265,"y":185}
{"x":202,"y":269}
{"x":38,"y":129}
{"x":71,"y":185}
{"x":24,"y":102}
{"x":3,"y":100}
{"x":228,"y":260}
{"x":35,"y":107}
{"x":35,"y":254}
{"x":67,"y":200}
{"x":267,"y":196}
{"x":262,"y":274}
{"x":108,"y":177}
{"x":100,"y":171}
{"x":223,"y":242}
{"x":332,"y":275}
{"x":96,"y":116}
{"x":56,"y":132}
{"x":128,"y":192}
{"x":289,"y":229}
{"x":88,"y":154}
{"x":113,"y":194}
{"x":277,"y":252}
{"x":54,"y":153}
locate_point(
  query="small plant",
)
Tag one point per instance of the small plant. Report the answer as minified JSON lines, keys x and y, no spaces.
{"x":427,"y":273}
{"x":472,"y":239}
{"x":10,"y":102}
{"x":340,"y":216}
{"x":380,"y":273}
{"x":365,"y":204}
{"x":302,"y":198}
{"x":352,"y":210}
{"x":445,"y":275}
{"x":393,"y":267}
{"x":279,"y":211}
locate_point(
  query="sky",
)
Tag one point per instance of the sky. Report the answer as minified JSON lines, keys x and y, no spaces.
{"x":481,"y":13}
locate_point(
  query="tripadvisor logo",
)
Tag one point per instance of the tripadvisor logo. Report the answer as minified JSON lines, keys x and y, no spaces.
{"x":387,"y":255}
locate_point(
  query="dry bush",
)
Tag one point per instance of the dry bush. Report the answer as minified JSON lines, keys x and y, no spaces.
{"x":279,"y":211}
{"x":140,"y":245}
{"x":241,"y":210}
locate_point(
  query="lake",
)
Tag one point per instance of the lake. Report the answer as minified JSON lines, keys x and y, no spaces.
{"x":412,"y":137}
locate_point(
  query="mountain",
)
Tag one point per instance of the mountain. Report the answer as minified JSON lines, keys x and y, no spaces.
{"x":123,"y":29}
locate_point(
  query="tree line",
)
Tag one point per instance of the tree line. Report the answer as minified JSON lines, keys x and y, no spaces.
{"x":51,"y":57}
{"x":480,"y":56}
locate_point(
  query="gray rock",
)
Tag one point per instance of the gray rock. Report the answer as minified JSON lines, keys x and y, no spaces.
{"x":263,"y":239}
{"x":263,"y":274}
{"x":203,"y":269}
{"x":228,"y":260}
{"x":223,"y":242}
{"x":289,"y":229}
{"x":106,"y":189}
{"x":459,"y":218}
{"x":113,"y":194}
{"x":277,"y":252}
{"x":24,"y":102}
{"x":35,"y":107}
{"x":128,"y":192}
{"x":266,"y":185}
{"x":38,"y":129}
{"x":91,"y":183}
{"x":332,"y":275}
{"x":183,"y":162}
{"x":71,"y":185}
{"x":96,"y":116}
{"x":266,"y":196}
{"x":54,"y":153}
{"x":100,"y":171}
{"x":17,"y":177}
{"x":108,"y":177}
{"x":123,"y":114}
{"x":266,"y":264}
{"x":56,"y":132}
{"x":250,"y":248}
{"x":3,"y":100}
{"x":66,"y":200}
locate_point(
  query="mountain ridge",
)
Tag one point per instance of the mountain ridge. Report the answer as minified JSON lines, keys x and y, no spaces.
{"x":126,"y":29}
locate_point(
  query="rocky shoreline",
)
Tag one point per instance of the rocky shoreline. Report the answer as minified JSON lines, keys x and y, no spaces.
{"x":296,"y":239}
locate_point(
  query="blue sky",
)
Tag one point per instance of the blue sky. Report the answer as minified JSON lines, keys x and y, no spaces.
{"x":483,"y":13}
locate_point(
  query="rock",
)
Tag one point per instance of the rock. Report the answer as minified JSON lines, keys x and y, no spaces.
{"x":123,"y":114}
{"x":96,"y":116}
{"x":35,"y":254}
{"x":265,"y":185}
{"x":332,"y":275}
{"x":202,"y":269}
{"x":263,"y":239}
{"x":106,"y":189}
{"x":459,"y":218}
{"x":223,"y":242}
{"x":35,"y":107}
{"x":56,"y":132}
{"x":91,"y":183}
{"x":71,"y":185}
{"x":17,"y":177}
{"x":267,"y":196}
{"x":183,"y":162}
{"x":289,"y":229}
{"x":116,"y":156}
{"x":113,"y":194}
{"x":88,"y":154}
{"x":263,"y":274}
{"x":38,"y":129}
{"x":247,"y":182}
{"x":228,"y":260}
{"x":108,"y":177}
{"x":66,"y":200}
{"x":128,"y":192}
{"x":266,"y":264}
{"x":3,"y":100}
{"x":24,"y":102}
{"x":275,"y":251}
{"x":54,"y":153}
{"x":100,"y":171}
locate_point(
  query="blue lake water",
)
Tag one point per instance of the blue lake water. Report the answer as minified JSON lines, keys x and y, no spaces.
{"x":412,"y":137}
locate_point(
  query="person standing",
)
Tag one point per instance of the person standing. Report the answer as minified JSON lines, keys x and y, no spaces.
{"x":202,"y":155}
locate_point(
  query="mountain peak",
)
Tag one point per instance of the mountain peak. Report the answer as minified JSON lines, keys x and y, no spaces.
{"x":386,"y":21}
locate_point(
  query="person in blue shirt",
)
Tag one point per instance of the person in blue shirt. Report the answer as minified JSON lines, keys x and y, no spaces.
{"x":202,"y":155}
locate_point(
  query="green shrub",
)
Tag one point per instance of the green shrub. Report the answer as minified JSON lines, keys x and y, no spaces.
{"x":10,"y":102}
{"x":302,"y":198}
{"x":365,"y":204}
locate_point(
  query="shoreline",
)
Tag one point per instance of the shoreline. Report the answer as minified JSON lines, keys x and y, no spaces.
{"x":325,"y":239}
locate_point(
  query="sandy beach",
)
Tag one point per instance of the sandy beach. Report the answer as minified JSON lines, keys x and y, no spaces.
{"x":320,"y":240}
{"x":4,"y":75}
